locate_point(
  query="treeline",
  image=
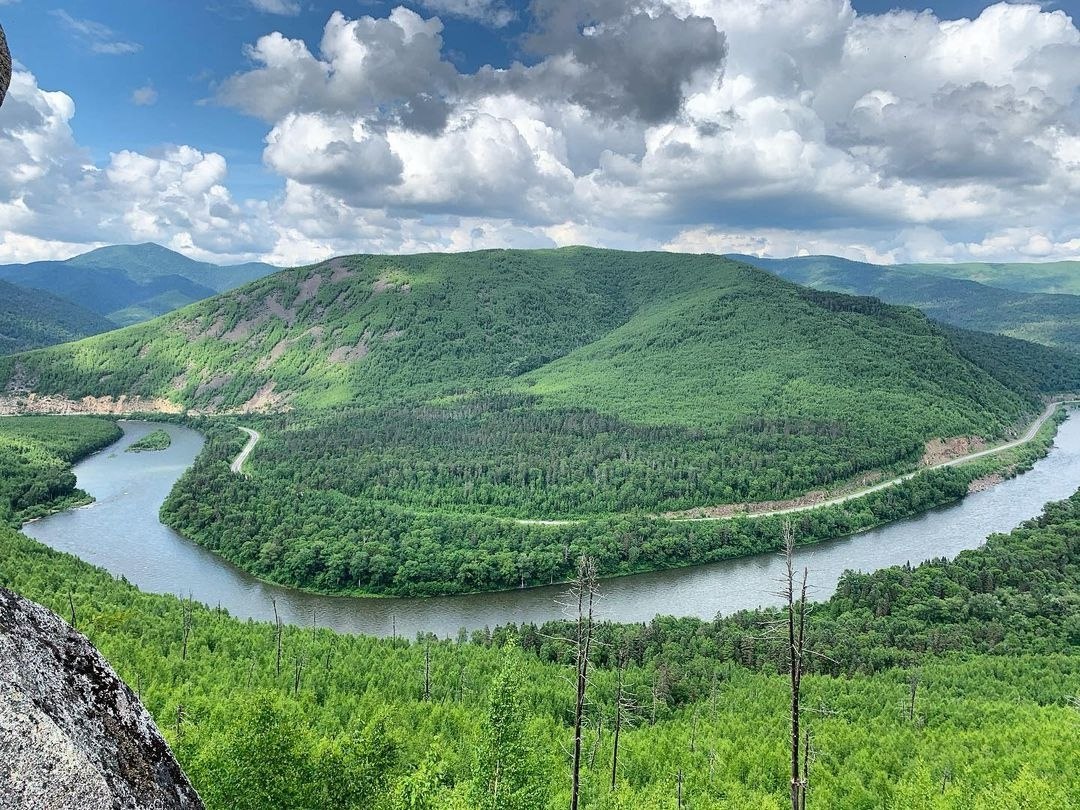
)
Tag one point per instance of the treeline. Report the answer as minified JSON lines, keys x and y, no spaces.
{"x":35,"y":462}
{"x":280,"y":524}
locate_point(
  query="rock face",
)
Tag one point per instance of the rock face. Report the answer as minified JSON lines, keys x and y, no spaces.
{"x":72,"y":734}
{"x":5,"y":66}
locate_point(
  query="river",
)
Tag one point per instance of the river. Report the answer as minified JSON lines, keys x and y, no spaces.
{"x":121,"y":533}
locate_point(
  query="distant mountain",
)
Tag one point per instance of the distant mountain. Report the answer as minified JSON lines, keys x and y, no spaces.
{"x":30,"y":319}
{"x":1051,"y":319}
{"x":147,"y":262}
{"x":1043,"y":277}
{"x":132,"y":283}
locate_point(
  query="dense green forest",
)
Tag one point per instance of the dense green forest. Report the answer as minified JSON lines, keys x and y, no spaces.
{"x":30,"y":319}
{"x":298,"y":517}
{"x":948,"y":685}
{"x":428,"y":404}
{"x":35,"y":460}
{"x":1052,"y":319}
{"x":155,"y":440}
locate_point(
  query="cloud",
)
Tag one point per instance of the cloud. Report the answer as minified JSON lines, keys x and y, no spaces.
{"x":52,"y":192}
{"x":98,"y":37}
{"x":144,"y":96}
{"x":493,"y":13}
{"x":284,"y":7}
{"x":759,"y":126}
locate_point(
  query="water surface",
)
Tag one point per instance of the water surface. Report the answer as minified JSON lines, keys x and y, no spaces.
{"x":121,"y":533}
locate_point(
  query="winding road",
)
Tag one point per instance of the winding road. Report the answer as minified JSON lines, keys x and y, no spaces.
{"x":1032,"y":430}
{"x":253,"y":439}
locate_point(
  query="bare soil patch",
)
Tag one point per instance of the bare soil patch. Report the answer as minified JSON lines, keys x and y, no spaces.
{"x":939,"y":451}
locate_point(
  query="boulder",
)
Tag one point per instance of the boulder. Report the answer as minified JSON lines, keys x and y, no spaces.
{"x":72,"y":734}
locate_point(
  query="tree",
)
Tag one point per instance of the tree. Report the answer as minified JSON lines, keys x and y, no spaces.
{"x":584,"y":590}
{"x":507,"y":776}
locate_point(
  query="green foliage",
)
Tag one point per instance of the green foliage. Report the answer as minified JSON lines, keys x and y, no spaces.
{"x":984,"y":729}
{"x":30,"y":319}
{"x":507,"y":771}
{"x":155,"y":440}
{"x":35,"y":462}
{"x":1012,"y":300}
{"x":299,"y":516}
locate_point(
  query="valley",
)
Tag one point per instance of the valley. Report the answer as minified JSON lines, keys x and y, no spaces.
{"x":449,"y":423}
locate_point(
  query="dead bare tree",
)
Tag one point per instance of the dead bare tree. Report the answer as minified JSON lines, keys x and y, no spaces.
{"x":584,"y":591}
{"x":186,"y":606}
{"x":71,"y":604}
{"x":796,"y":610}
{"x":297,"y":672}
{"x":911,"y":697}
{"x":277,"y":638}
{"x":427,"y":672}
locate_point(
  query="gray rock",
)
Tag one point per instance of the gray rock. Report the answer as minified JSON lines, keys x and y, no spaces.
{"x":5,"y":66}
{"x":72,"y":734}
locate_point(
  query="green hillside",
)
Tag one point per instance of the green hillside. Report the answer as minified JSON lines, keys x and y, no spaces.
{"x":427,"y":403}
{"x":1042,"y":277}
{"x":949,"y":685}
{"x":148,"y":261}
{"x":131,"y":283}
{"x":946,"y":294}
{"x":30,"y":319}
{"x":651,"y":337}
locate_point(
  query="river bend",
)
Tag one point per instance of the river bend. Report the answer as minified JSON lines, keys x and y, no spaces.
{"x":121,"y":533}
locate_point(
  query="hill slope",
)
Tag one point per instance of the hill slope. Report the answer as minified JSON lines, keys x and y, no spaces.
{"x":132,"y":283}
{"x":654,"y":337}
{"x":441,"y":399}
{"x":30,"y":319}
{"x":149,"y":261}
{"x":1043,"y":277}
{"x":1052,"y":319}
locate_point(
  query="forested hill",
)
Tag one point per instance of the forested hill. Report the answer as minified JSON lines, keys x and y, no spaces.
{"x":30,"y":319}
{"x":655,"y":338}
{"x":132,"y":283}
{"x":963,"y":295}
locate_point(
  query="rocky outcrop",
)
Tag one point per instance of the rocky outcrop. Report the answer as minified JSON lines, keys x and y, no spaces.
{"x":72,"y":734}
{"x":5,"y":66}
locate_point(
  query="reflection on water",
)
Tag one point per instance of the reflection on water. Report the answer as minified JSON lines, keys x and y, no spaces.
{"x":121,"y":533}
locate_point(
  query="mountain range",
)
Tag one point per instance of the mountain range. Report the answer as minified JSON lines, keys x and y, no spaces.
{"x":131,"y":283}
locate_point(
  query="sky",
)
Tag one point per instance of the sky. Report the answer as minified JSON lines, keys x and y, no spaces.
{"x":292,"y":130}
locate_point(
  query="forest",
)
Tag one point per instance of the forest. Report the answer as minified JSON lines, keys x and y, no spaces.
{"x":292,"y":519}
{"x":154,"y":440}
{"x":36,"y":453}
{"x":948,"y":685}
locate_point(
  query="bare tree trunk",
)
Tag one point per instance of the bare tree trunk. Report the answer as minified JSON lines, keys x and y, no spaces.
{"x":298,"y":669}
{"x":71,"y":604}
{"x":618,"y":727}
{"x":427,"y":672}
{"x":586,"y":594}
{"x":679,"y":795}
{"x":805,"y":769}
{"x":796,"y":630}
{"x":187,"y":627}
{"x":277,"y":638}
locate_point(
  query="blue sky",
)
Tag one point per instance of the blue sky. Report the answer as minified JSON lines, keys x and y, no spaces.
{"x":151,"y":77}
